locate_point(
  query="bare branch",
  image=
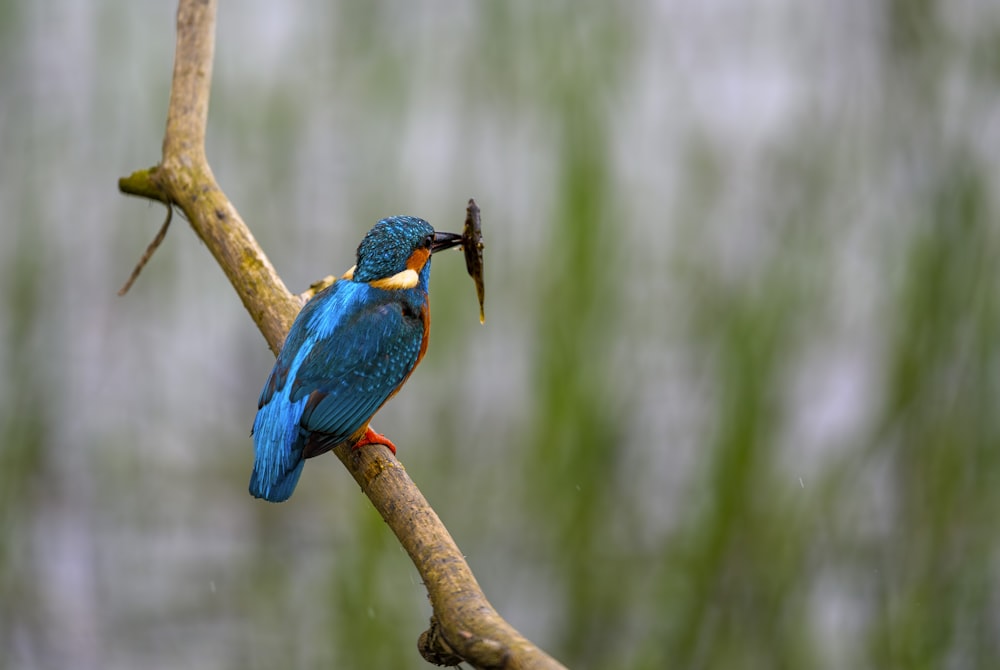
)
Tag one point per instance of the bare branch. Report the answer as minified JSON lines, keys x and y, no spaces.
{"x":464,"y":626}
{"x":150,"y":250}
{"x":185,"y":179}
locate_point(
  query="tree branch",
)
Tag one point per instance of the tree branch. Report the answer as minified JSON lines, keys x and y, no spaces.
{"x":184,"y":179}
{"x":464,"y":626}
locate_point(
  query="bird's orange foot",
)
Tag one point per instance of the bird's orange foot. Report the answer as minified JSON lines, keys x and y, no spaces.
{"x":371,"y":437}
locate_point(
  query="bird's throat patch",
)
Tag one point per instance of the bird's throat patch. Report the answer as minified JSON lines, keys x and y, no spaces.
{"x":401,"y":280}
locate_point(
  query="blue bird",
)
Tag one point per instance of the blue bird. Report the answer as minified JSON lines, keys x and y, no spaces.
{"x":349,"y":350}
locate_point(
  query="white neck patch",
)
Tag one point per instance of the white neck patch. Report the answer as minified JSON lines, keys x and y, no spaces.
{"x":401,"y":280}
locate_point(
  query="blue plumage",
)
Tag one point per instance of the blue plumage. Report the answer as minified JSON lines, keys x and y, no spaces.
{"x":349,"y":350}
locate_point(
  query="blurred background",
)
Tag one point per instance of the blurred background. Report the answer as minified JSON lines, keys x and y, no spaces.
{"x":735,"y":404}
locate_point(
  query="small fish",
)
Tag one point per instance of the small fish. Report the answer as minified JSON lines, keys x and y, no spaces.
{"x":472,"y":245}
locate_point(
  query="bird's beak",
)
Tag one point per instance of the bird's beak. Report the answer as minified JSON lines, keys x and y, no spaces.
{"x":444,"y":241}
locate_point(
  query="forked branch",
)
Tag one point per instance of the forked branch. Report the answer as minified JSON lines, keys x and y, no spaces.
{"x":464,"y":626}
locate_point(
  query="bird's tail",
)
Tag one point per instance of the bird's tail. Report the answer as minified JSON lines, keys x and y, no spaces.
{"x":273,"y":486}
{"x":278,"y":447}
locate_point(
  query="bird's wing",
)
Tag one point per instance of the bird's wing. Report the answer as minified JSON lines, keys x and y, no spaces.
{"x":325,"y":308}
{"x":351,"y":370}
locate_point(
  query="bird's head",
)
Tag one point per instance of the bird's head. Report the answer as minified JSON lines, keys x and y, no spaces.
{"x":396,"y":252}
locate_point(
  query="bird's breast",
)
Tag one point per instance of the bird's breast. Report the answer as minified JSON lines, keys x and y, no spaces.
{"x":425,"y":317}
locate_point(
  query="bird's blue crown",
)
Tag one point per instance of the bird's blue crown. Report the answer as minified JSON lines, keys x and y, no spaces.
{"x":388,"y":246}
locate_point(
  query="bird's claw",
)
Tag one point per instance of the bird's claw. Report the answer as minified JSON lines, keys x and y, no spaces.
{"x":371,"y":437}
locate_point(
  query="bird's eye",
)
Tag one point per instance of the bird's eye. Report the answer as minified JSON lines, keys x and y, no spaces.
{"x":428,"y":241}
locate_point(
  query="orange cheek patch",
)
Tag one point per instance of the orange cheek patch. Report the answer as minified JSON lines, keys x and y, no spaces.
{"x":417,"y":259}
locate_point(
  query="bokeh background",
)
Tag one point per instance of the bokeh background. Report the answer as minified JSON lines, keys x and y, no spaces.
{"x":735,"y":404}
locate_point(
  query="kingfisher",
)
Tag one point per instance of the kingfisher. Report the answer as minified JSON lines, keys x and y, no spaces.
{"x":350,"y":349}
